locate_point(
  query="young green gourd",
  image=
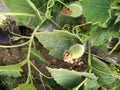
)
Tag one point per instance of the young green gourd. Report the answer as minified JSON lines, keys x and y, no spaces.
{"x":77,"y":50}
{"x":76,"y":9}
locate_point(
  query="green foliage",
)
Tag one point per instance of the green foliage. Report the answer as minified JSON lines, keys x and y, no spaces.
{"x":118,"y":18}
{"x":36,"y":56}
{"x":11,"y":70}
{"x":106,"y":76}
{"x":25,"y":87}
{"x":69,"y":20}
{"x":57,"y":41}
{"x":22,"y":6}
{"x":97,"y":11}
{"x":99,"y":36}
{"x":69,"y":79}
{"x":101,"y":22}
{"x":92,"y":84}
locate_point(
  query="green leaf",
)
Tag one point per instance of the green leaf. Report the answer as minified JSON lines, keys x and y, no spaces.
{"x":41,"y":5}
{"x":25,"y":87}
{"x":99,"y":36}
{"x":36,"y":56}
{"x":57,"y":41}
{"x":118,"y":19}
{"x":92,"y":84}
{"x":62,"y":20}
{"x":11,"y":70}
{"x":69,"y":79}
{"x":106,"y":78}
{"x":97,"y":11}
{"x":103,"y":47}
{"x":21,"y":6}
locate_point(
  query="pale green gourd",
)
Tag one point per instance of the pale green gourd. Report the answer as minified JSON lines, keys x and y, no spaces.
{"x":77,"y":50}
{"x":76,"y":9}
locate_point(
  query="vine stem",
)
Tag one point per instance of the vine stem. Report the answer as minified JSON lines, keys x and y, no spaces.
{"x":114,"y":47}
{"x":14,"y":46}
{"x":117,"y":8}
{"x":89,"y":61}
{"x":40,"y":72}
{"x":63,"y":3}
{"x":42,"y":81}
{"x":29,"y":51}
{"x":89,"y":57}
{"x":17,"y":13}
{"x":34,"y":8}
{"x":55,"y":23}
{"x":80,"y":84}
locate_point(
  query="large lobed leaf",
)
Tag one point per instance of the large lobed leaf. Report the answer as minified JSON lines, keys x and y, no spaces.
{"x":106,"y":78}
{"x":99,"y":36}
{"x":22,"y":6}
{"x":97,"y":11}
{"x":69,"y":79}
{"x":57,"y":41}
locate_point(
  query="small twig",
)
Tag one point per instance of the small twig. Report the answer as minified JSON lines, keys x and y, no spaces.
{"x":40,"y":71}
{"x":14,"y":46}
